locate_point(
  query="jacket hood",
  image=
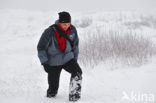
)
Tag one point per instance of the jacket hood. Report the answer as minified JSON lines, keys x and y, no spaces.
{"x":56,"y":22}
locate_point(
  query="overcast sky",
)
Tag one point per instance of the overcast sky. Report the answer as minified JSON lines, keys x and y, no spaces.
{"x":77,"y":5}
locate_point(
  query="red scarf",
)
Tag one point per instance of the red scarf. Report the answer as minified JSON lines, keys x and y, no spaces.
{"x":62,"y":41}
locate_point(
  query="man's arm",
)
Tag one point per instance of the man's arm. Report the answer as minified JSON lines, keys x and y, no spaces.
{"x":42,"y":46}
{"x":76,"y":45}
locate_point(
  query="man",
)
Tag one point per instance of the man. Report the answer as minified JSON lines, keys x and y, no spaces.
{"x":57,"y":49}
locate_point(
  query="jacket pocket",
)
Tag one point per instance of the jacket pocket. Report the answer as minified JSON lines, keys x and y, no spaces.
{"x":53,"y":51}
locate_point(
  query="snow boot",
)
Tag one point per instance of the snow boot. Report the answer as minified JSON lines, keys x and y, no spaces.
{"x":75,"y":88}
{"x":51,"y":94}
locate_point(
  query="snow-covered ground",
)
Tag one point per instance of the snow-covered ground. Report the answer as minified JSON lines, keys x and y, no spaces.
{"x":23,"y":80}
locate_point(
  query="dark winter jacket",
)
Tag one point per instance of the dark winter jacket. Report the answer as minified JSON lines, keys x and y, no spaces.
{"x":48,"y":49}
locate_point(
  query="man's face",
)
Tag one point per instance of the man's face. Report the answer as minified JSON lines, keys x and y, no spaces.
{"x":65,"y":26}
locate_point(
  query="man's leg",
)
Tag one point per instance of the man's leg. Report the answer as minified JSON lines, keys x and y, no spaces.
{"x":75,"y":81}
{"x":53,"y":80}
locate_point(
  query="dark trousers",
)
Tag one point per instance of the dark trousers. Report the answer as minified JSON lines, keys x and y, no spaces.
{"x":54,"y":73}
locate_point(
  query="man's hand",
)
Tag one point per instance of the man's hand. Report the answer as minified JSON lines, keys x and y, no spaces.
{"x":46,"y":67}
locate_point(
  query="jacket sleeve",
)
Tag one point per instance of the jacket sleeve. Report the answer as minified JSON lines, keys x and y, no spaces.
{"x":76,"y":45}
{"x":43,"y":45}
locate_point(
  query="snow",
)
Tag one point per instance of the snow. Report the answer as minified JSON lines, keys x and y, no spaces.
{"x":23,"y":79}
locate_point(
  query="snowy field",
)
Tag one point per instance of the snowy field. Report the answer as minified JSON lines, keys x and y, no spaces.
{"x":109,"y":75}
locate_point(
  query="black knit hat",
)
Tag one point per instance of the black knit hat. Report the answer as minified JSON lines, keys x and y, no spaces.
{"x":64,"y":17}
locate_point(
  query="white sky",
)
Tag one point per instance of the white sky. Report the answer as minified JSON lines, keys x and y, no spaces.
{"x":77,"y":5}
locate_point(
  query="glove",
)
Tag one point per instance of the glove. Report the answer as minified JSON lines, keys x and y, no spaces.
{"x":46,"y":67}
{"x":75,"y":59}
